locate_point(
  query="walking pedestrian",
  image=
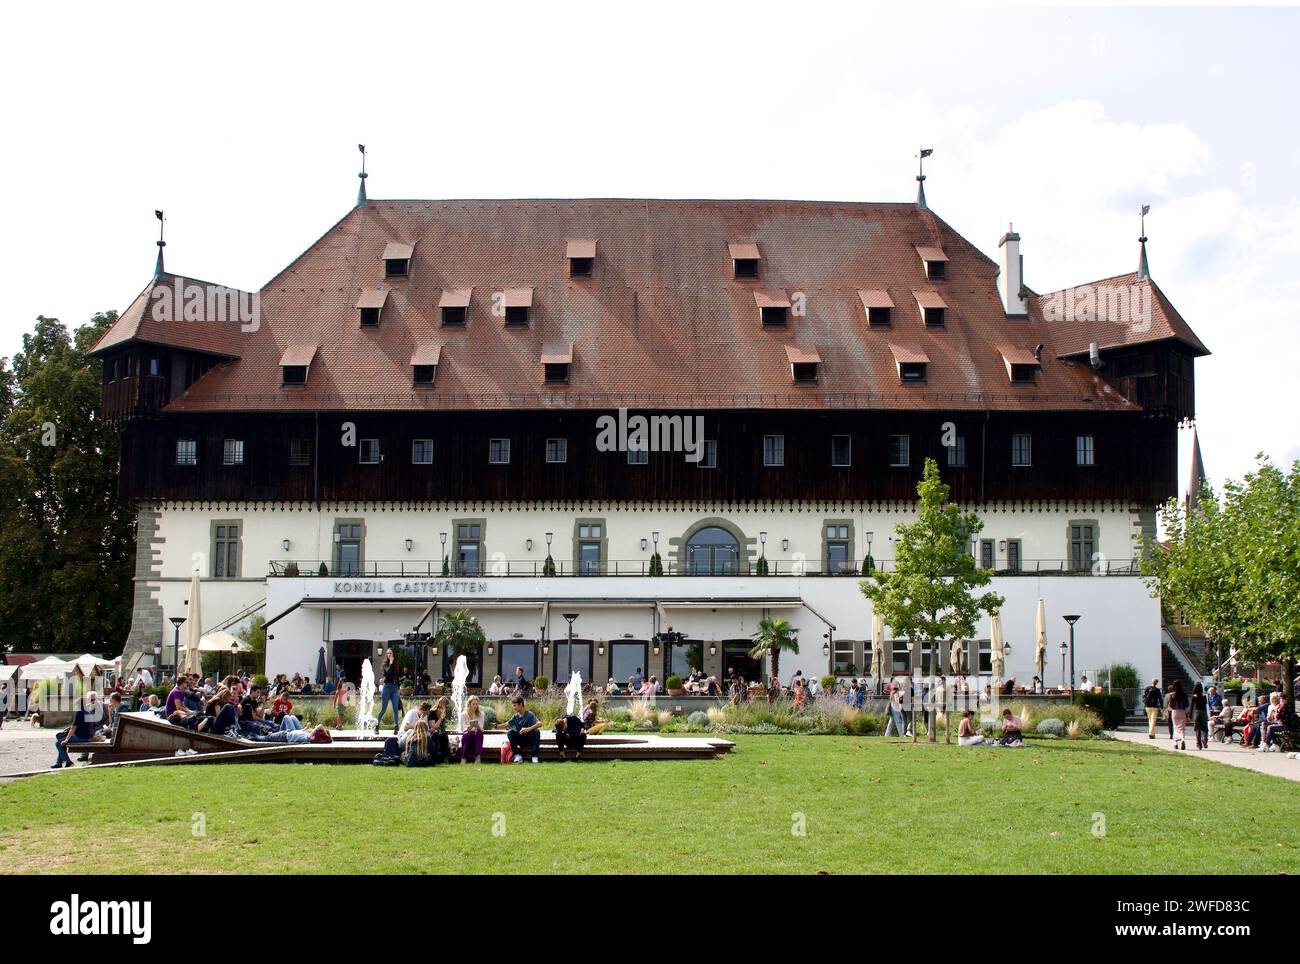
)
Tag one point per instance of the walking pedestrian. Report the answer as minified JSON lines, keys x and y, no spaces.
{"x":1200,"y":717}
{"x":1152,"y":701}
{"x":1178,"y":706}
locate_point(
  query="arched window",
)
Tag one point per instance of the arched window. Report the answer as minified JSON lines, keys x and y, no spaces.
{"x":712,"y":551}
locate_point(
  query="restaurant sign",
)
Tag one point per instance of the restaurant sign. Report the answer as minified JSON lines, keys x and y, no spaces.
{"x":382,"y":588}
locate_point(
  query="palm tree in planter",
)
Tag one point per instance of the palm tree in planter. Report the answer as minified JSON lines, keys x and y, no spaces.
{"x":773,"y":636}
{"x":460,"y":634}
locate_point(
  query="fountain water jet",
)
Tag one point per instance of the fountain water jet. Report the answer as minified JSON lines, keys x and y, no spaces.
{"x":366,"y":722}
{"x":458,"y":697}
{"x":573,"y":694}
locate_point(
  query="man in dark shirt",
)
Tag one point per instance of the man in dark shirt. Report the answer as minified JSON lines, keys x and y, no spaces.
{"x":520,"y":682}
{"x":85,"y":722}
{"x":524,"y":731}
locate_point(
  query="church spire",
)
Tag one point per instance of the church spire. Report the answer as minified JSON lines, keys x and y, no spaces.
{"x":158,"y":267}
{"x":1144,"y":272}
{"x":361,"y":191}
{"x":920,"y":175}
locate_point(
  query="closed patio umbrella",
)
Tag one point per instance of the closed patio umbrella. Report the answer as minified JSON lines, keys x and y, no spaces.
{"x":320,"y":666}
{"x":996,"y":643}
{"x":1040,"y":634}
{"x":194,"y":628}
{"x":878,"y":650}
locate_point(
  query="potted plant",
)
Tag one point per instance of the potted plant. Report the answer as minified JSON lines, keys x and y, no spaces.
{"x":656,"y":565}
{"x":760,"y":567}
{"x":548,"y":567}
{"x":324,"y":570}
{"x":446,"y":566}
{"x":541,"y":684}
{"x":673,"y":684}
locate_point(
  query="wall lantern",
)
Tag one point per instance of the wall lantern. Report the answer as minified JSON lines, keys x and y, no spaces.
{"x":284,"y":544}
{"x":713,"y":649}
{"x":1002,"y":545}
{"x":600,"y":650}
{"x":409,"y":544}
{"x":528,"y":544}
{"x":546,"y":648}
{"x":491,"y":648}
{"x":785,"y":545}
{"x":826,"y":646}
{"x":643,"y":543}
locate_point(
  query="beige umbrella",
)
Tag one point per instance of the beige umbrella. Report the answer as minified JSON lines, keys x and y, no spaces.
{"x":995,"y":644}
{"x":194,"y":627}
{"x":954,"y":655}
{"x":878,"y":649}
{"x":1040,"y":633}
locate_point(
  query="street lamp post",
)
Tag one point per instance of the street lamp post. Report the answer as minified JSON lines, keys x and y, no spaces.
{"x":1064,"y":650}
{"x":569,"y":618}
{"x":1072,"y":619}
{"x":234,"y":652}
{"x":176,"y":621}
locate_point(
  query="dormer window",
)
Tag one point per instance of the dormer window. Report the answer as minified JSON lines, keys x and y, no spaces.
{"x":804,"y":365}
{"x":934,"y":260}
{"x":518,"y":303}
{"x":454,"y":306}
{"x":772,"y":309}
{"x":424,"y":365}
{"x":555,"y":366}
{"x":1021,"y":364}
{"x":370,"y":306}
{"x":295,"y":364}
{"x":744,"y":260}
{"x":912,"y":363}
{"x":878,"y":306}
{"x":397,"y":259}
{"x":932,"y":308}
{"x":582,"y":257}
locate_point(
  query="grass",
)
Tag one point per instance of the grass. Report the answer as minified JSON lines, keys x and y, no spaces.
{"x":868,"y":804}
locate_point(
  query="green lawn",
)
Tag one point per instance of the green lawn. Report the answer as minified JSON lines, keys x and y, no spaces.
{"x":869,"y":804}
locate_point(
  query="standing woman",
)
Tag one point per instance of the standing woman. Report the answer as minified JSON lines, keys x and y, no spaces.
{"x":389,"y":694}
{"x":340,"y":703}
{"x":1200,"y":717}
{"x":1178,"y":704}
{"x":471,"y":737}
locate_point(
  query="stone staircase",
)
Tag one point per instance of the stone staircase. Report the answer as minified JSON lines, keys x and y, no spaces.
{"x":1181,"y":658}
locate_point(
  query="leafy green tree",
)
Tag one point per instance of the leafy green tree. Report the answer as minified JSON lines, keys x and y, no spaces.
{"x":66,"y":550}
{"x":254,"y":637}
{"x":773,"y":637}
{"x":459,"y":633}
{"x":930,"y":594}
{"x":1232,"y":566}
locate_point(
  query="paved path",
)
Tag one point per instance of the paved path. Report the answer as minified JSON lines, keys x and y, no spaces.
{"x":24,"y":748}
{"x":1233,"y":754}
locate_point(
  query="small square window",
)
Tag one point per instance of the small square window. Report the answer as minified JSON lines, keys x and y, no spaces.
{"x":936,"y":270}
{"x":773,"y":451}
{"x":187,"y":451}
{"x":453,"y":316}
{"x":841,"y":451}
{"x":516,"y":316}
{"x":369,"y":317}
{"x":900,"y":450}
{"x":911,"y":371}
{"x":1023,"y":374}
{"x":804,"y":371}
{"x":580,"y":267}
{"x":934,"y":317}
{"x":709,"y":455}
{"x":557,"y":450}
{"x":232,"y":452}
{"x":1021,"y":449}
{"x":638,"y":456}
{"x":499,"y":451}
{"x":589,"y":531}
{"x":300,"y":451}
{"x":368,"y":452}
{"x":1083,"y":450}
{"x":746,"y":268}
{"x":773,"y":316}
{"x":879,"y":317}
{"x":397,"y":267}
{"x":556,"y":373}
{"x":295,"y":374}
{"x":422,"y":451}
{"x":423,"y":375}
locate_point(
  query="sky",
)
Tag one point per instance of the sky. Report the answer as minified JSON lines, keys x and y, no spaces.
{"x":242,"y":120}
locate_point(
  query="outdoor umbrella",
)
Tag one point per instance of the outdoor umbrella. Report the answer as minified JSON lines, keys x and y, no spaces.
{"x":1040,"y":633}
{"x":995,"y":644}
{"x":194,"y":628}
{"x":878,"y":649}
{"x":954,"y":655}
{"x":320,"y":666}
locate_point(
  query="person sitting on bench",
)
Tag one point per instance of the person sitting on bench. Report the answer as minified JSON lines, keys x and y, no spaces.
{"x":523,"y":730}
{"x":569,"y":735}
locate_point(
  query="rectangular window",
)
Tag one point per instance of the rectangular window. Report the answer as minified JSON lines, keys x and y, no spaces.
{"x":422,"y":451}
{"x":369,"y":317}
{"x":746,"y":268}
{"x":423,"y":375}
{"x":1083,"y":450}
{"x":957,"y":452}
{"x":499,"y":451}
{"x":637,"y":455}
{"x":1013,"y":555}
{"x":556,"y":373}
{"x":900,"y":450}
{"x":397,"y":267}
{"x":934,"y":318}
{"x":347,"y":548}
{"x":187,"y":451}
{"x":773,"y":450}
{"x":232,"y":452}
{"x":837,"y":550}
{"x":589,"y":558}
{"x":300,"y":451}
{"x":844,"y":665}
{"x":804,"y":371}
{"x":516,"y":316}
{"x":469,"y":548}
{"x":368,"y":451}
{"x":709,"y":455}
{"x":557,"y":450}
{"x":985,"y":664}
{"x":773,"y":316}
{"x":901,"y":664}
{"x":580,"y":267}
{"x":153,"y":366}
{"x":935,"y":270}
{"x":879,"y":317}
{"x":841,"y":451}
{"x":1023,"y":374}
{"x":1083,"y":546}
{"x":986,"y":553}
{"x":453,"y":316}
{"x":225,"y":550}
{"x":911,"y":371}
{"x":1022,"y":449}
{"x":294,"y":374}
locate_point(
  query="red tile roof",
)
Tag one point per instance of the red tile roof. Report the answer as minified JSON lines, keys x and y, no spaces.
{"x":662,"y":323}
{"x":1114,"y":312}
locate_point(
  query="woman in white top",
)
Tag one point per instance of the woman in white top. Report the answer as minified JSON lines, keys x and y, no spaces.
{"x":496,"y":689}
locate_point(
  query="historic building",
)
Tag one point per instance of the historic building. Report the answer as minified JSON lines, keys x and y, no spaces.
{"x":513,"y":406}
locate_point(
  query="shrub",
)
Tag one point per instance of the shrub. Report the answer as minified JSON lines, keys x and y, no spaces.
{"x":663,"y":716}
{"x":717,"y":715}
{"x":698,"y":718}
{"x":1089,"y":720}
{"x":828,"y":682}
{"x":1073,"y":731}
{"x":1053,"y":727}
{"x":548,"y":567}
{"x":760,"y":567}
{"x":489,"y":716}
{"x":260,"y":680}
{"x":867,"y":724}
{"x":541,"y":683}
{"x":656,"y":565}
{"x":1108,"y":706}
{"x":324,"y":570}
{"x":673,"y":682}
{"x":1122,"y":676}
{"x":641,"y":711}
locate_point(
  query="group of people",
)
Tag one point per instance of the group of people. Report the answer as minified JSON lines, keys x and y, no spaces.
{"x":1261,"y":724}
{"x":239,"y":708}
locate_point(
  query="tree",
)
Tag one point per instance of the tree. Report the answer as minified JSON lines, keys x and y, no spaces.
{"x":1232,"y":566}
{"x":930,"y":594}
{"x":459,"y":633}
{"x":773,"y":637}
{"x":66,"y":550}
{"x":254,"y":637}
